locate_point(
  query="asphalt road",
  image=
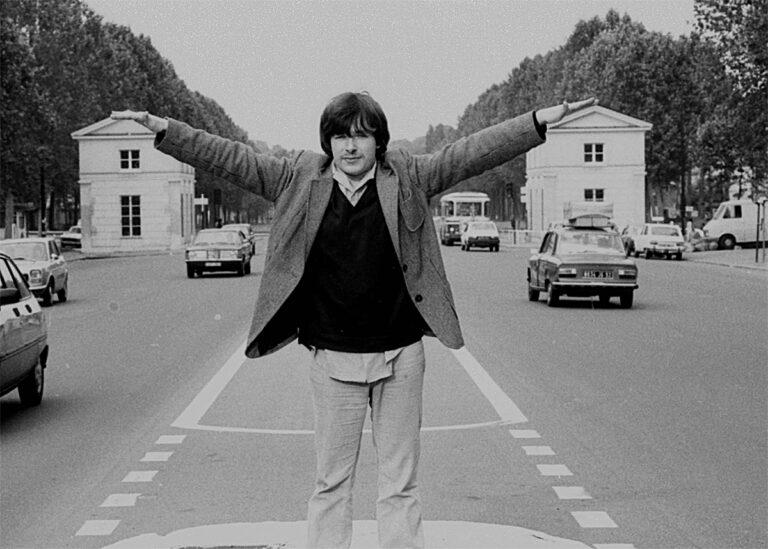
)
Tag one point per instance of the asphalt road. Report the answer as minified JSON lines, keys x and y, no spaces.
{"x":649,"y":423}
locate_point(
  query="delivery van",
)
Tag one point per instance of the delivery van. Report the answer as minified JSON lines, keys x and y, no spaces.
{"x":734,"y":222}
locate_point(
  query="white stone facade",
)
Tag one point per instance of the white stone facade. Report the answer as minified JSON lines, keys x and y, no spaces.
{"x":594,"y":155}
{"x":133,"y":198}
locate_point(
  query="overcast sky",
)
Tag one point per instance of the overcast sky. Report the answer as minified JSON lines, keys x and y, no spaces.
{"x":273,"y":65}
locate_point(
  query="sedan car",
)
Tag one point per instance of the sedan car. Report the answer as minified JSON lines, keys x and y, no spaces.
{"x":43,"y":265}
{"x":583,"y":262}
{"x":72,"y":237}
{"x":23,"y":336}
{"x":218,"y":250}
{"x":480,"y":234}
{"x":660,"y":239}
{"x":247,"y":231}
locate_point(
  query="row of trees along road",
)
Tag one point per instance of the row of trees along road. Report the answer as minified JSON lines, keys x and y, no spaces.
{"x":64,"y":68}
{"x":705,"y":94}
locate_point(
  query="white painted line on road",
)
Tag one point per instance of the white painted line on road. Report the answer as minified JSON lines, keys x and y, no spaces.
{"x":507,"y":410}
{"x":571,"y":492}
{"x":593,"y":519}
{"x":97,"y":528}
{"x":120,"y":500}
{"x":614,"y":546}
{"x":524,"y":433}
{"x":191,"y":416}
{"x":140,"y":476}
{"x":157,"y":456}
{"x":170,"y":439}
{"x":554,"y":470}
{"x":538,"y":451}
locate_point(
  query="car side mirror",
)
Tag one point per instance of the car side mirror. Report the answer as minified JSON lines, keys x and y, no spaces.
{"x":9,"y":296}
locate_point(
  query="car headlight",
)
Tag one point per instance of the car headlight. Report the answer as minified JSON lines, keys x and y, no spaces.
{"x":229,"y":254}
{"x":35,"y":276}
{"x":627,"y":273}
{"x":196,"y":254}
{"x":566,"y":271}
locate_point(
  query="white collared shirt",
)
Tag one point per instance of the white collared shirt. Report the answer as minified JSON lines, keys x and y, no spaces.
{"x":353,"y":191}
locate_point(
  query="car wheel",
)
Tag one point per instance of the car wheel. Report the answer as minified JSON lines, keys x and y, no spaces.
{"x":553,"y":297}
{"x":241,"y":269}
{"x":726,"y":242}
{"x":466,"y":247}
{"x":31,"y":389}
{"x":62,"y":293}
{"x":248,"y":267}
{"x":604,"y":299}
{"x":648,"y":254}
{"x":533,"y":295}
{"x":635,"y":253}
{"x":679,"y":256}
{"x":190,"y":271}
{"x":48,"y":295}
{"x":626,"y":300}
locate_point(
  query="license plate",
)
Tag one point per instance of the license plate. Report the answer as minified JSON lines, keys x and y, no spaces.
{"x":213,"y":263}
{"x":598,"y":274}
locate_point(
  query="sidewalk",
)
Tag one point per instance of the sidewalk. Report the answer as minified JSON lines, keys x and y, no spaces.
{"x":741,"y":258}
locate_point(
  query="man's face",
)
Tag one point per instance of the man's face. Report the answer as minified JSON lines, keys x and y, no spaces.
{"x":354,"y":153}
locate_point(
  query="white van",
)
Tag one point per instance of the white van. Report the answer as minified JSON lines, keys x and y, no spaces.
{"x":734,"y":222}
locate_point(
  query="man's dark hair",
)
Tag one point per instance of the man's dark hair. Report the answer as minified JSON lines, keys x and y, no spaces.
{"x":357,"y":112}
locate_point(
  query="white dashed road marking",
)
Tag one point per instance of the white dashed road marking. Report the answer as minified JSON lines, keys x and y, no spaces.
{"x":593,"y":519}
{"x":442,"y":534}
{"x":97,"y":528}
{"x":157,"y":456}
{"x":140,"y":476}
{"x":120,"y":500}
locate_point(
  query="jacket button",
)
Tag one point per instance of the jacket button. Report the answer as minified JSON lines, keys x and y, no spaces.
{"x":418,"y":298}
{"x":405,"y":267}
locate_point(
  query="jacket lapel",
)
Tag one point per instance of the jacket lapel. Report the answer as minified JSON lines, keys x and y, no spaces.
{"x":387,"y":187}
{"x":319,"y":196}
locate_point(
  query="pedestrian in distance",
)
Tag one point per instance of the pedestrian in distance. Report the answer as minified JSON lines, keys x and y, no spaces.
{"x":353,"y":270}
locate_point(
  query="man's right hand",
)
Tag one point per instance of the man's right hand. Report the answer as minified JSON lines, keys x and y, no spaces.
{"x":149,"y":121}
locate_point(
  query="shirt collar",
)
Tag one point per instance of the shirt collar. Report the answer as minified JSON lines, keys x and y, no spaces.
{"x":341,"y":178}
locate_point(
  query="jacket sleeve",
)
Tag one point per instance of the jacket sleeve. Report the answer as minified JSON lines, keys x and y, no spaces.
{"x":236,"y":162}
{"x":476,"y":153}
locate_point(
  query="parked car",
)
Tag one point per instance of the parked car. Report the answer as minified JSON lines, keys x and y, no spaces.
{"x":247,"y":231}
{"x":628,"y":235}
{"x":480,"y":234}
{"x":584,"y":260}
{"x":662,"y":239}
{"x":72,"y":237}
{"x":43,"y":265}
{"x":450,"y":232}
{"x":218,"y":250}
{"x":23,"y":336}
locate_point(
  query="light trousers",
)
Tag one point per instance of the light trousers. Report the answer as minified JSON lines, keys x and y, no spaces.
{"x":396,"y":411}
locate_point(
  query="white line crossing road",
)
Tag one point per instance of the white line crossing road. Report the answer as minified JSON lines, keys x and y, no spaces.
{"x":439,"y":534}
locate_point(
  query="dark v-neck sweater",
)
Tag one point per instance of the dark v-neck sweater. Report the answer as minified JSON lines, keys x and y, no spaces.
{"x":352,"y":295}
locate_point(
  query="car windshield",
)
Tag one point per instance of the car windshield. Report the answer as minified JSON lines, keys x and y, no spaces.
{"x":34,"y":251}
{"x":589,"y":242}
{"x":217,"y":237}
{"x":665,"y":231}
{"x":244,"y":228}
{"x":487,"y":226}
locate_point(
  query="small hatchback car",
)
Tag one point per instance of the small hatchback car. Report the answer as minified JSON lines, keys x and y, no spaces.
{"x":43,"y":265}
{"x":480,"y":234}
{"x":23,"y":336}
{"x":582,"y":258}
{"x":218,"y":250}
{"x":660,"y":239}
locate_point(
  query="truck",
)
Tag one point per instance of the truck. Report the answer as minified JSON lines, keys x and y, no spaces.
{"x":734,"y":222}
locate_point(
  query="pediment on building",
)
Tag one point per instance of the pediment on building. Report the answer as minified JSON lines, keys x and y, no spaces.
{"x":600,"y":118}
{"x":109,"y":128}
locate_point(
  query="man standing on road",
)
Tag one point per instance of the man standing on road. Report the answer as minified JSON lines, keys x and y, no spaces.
{"x":354,"y":271}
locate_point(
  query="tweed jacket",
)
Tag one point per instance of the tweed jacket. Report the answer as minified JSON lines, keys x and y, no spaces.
{"x":300,"y":189}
